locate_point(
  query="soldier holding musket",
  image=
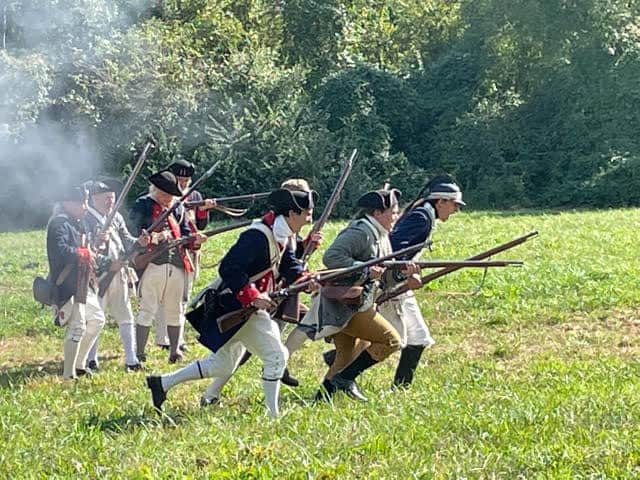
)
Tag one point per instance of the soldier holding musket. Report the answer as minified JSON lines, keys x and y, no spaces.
{"x":72,"y":268}
{"x":163,"y":285}
{"x":348,"y":313}
{"x":247,"y":276}
{"x":117,"y":240}
{"x":440,"y":199}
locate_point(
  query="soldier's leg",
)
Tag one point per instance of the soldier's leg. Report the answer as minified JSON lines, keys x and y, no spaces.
{"x":173,"y":310}
{"x":76,"y":326}
{"x":119,"y":305}
{"x":151,"y":285}
{"x":260,"y":335}
{"x":94,"y":321}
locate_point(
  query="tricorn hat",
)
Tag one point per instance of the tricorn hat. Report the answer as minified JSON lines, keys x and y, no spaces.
{"x":380,"y":199}
{"x":181,"y":168}
{"x":167,"y":182}
{"x":285,"y":200}
{"x":97,"y":186}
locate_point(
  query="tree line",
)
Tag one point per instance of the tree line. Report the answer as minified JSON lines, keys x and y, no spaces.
{"x":528,"y":103}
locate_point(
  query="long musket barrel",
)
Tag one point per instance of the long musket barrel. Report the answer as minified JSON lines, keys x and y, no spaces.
{"x":125,"y":190}
{"x":454,"y":263}
{"x":331,"y":203}
{"x":402,"y":288}
{"x":235,"y":198}
{"x":231,"y":319}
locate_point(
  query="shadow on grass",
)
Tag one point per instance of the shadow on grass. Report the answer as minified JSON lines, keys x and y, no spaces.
{"x":19,"y":374}
{"x":127,"y":422}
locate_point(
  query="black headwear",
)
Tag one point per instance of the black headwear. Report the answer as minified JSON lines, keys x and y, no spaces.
{"x":182,"y":168}
{"x":97,"y":186}
{"x":380,"y":199}
{"x":283,"y":200}
{"x":167,"y":182}
{"x":76,"y":193}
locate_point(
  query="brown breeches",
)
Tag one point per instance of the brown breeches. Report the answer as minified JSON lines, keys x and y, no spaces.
{"x":366,"y":330}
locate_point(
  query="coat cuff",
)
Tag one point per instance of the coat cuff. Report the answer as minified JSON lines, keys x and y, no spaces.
{"x":248,"y":294}
{"x":201,"y":213}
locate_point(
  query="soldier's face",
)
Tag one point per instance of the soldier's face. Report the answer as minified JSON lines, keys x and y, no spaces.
{"x":74,"y":208}
{"x":298,"y":220}
{"x":104,"y":201}
{"x":446,"y":208}
{"x":387,"y":218}
{"x":183,"y":182}
{"x":165,"y":199}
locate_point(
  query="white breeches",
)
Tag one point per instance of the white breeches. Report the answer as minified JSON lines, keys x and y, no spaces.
{"x":161,"y":294}
{"x":404,"y":314}
{"x":83,"y":319}
{"x":116,"y":300}
{"x":261,"y":336}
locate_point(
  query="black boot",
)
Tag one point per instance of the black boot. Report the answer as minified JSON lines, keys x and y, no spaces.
{"x":346,"y":379}
{"x":409,"y":360}
{"x":245,"y":358}
{"x":329,"y":357}
{"x":326,"y":391}
{"x":158,"y":395}
{"x":288,"y":380}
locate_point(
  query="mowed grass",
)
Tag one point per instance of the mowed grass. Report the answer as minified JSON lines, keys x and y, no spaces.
{"x":534,"y":375}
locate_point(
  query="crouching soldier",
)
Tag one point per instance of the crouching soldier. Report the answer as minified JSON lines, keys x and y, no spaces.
{"x":72,"y":268}
{"x":115,"y":300}
{"x":163,"y":284}
{"x":247,"y":276}
{"x":362,"y":336}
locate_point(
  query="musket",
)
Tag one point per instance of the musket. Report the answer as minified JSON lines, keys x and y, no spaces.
{"x":402,"y":287}
{"x":84,"y":273}
{"x":236,"y":317}
{"x":131,"y":252}
{"x":123,"y":194}
{"x":290,"y":307}
{"x":141,"y":260}
{"x":331,"y":203}
{"x":402,"y":264}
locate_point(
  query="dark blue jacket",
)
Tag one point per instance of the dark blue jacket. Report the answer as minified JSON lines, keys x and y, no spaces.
{"x":63,"y":239}
{"x":412,"y":229}
{"x":246,"y":258}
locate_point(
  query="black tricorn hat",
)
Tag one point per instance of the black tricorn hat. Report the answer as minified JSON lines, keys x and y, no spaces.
{"x":182,"y":168}
{"x":380,"y":199}
{"x":167,"y":182}
{"x":75,"y":193}
{"x":285,"y":200}
{"x":113,"y":183}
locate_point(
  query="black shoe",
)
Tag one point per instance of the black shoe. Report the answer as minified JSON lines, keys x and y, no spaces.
{"x":183,"y":348}
{"x":164,"y":347}
{"x":329,"y":357}
{"x":142,"y":357}
{"x":176,"y":357}
{"x":158,"y":395}
{"x":326,"y":392}
{"x":350,"y":387}
{"x":93,"y":365}
{"x":288,"y":380}
{"x":133,"y":368}
{"x":81,"y":372}
{"x":205,"y":402}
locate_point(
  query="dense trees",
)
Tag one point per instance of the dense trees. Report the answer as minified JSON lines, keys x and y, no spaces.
{"x":529,"y":103}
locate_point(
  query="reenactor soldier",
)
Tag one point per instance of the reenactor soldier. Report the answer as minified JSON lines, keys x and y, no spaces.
{"x":442,"y":199}
{"x":163,"y":285}
{"x":247,"y":274}
{"x":72,"y":268}
{"x":116,"y":299}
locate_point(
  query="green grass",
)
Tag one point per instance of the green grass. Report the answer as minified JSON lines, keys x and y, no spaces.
{"x":533,"y":376}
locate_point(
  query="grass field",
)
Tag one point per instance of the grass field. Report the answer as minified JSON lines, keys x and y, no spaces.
{"x":533,"y":376}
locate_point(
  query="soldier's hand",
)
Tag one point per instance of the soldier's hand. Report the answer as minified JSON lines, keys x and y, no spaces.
{"x":411,"y":269}
{"x":209,"y":203}
{"x":315,"y":238}
{"x":200,"y":239}
{"x":375,"y":272}
{"x":263,"y":302}
{"x":414,"y":281}
{"x":85,"y":256}
{"x":144,"y":238}
{"x":117,"y":265}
